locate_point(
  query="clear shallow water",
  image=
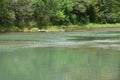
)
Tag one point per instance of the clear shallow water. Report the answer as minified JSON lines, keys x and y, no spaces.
{"x":90,"y":55}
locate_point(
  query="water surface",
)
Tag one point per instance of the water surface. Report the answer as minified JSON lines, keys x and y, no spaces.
{"x":89,"y":55}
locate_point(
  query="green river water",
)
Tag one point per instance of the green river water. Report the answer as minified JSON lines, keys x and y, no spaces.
{"x":88,"y":55}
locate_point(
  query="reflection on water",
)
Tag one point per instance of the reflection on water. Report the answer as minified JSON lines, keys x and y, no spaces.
{"x":60,"y":56}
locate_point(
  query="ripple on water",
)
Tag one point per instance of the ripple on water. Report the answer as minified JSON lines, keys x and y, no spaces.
{"x":33,"y":44}
{"x":107,"y":44}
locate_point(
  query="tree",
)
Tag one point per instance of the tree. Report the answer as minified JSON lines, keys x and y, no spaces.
{"x":109,"y":10}
{"x":23,"y":12}
{"x":6,"y":16}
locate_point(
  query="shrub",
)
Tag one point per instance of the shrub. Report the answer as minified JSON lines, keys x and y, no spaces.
{"x":34,"y":29}
{"x":14,"y":28}
{"x":26,"y":30}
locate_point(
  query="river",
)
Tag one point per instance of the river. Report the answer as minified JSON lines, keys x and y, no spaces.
{"x":87,"y":55}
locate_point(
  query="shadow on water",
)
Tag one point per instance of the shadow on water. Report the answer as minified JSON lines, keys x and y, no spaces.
{"x":89,"y":38}
{"x":114,"y":32}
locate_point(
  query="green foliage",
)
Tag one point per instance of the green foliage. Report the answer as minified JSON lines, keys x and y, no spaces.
{"x":23,"y":11}
{"x":14,"y":28}
{"x":60,"y":15}
{"x":45,"y":11}
{"x":6,"y":16}
{"x":73,"y":18}
{"x":41,"y":13}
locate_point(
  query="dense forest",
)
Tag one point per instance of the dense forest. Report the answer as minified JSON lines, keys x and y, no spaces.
{"x":19,"y":14}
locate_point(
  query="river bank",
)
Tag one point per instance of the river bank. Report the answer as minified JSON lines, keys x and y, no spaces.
{"x":92,"y":27}
{"x":64,"y":28}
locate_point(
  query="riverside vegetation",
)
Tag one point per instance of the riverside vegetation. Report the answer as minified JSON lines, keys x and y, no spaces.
{"x":58,"y":15}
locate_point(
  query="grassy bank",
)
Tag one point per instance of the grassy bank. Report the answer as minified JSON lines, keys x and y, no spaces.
{"x":102,"y":25}
{"x":91,"y":26}
{"x":62,"y":28}
{"x":45,"y":29}
{"x":33,"y":29}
